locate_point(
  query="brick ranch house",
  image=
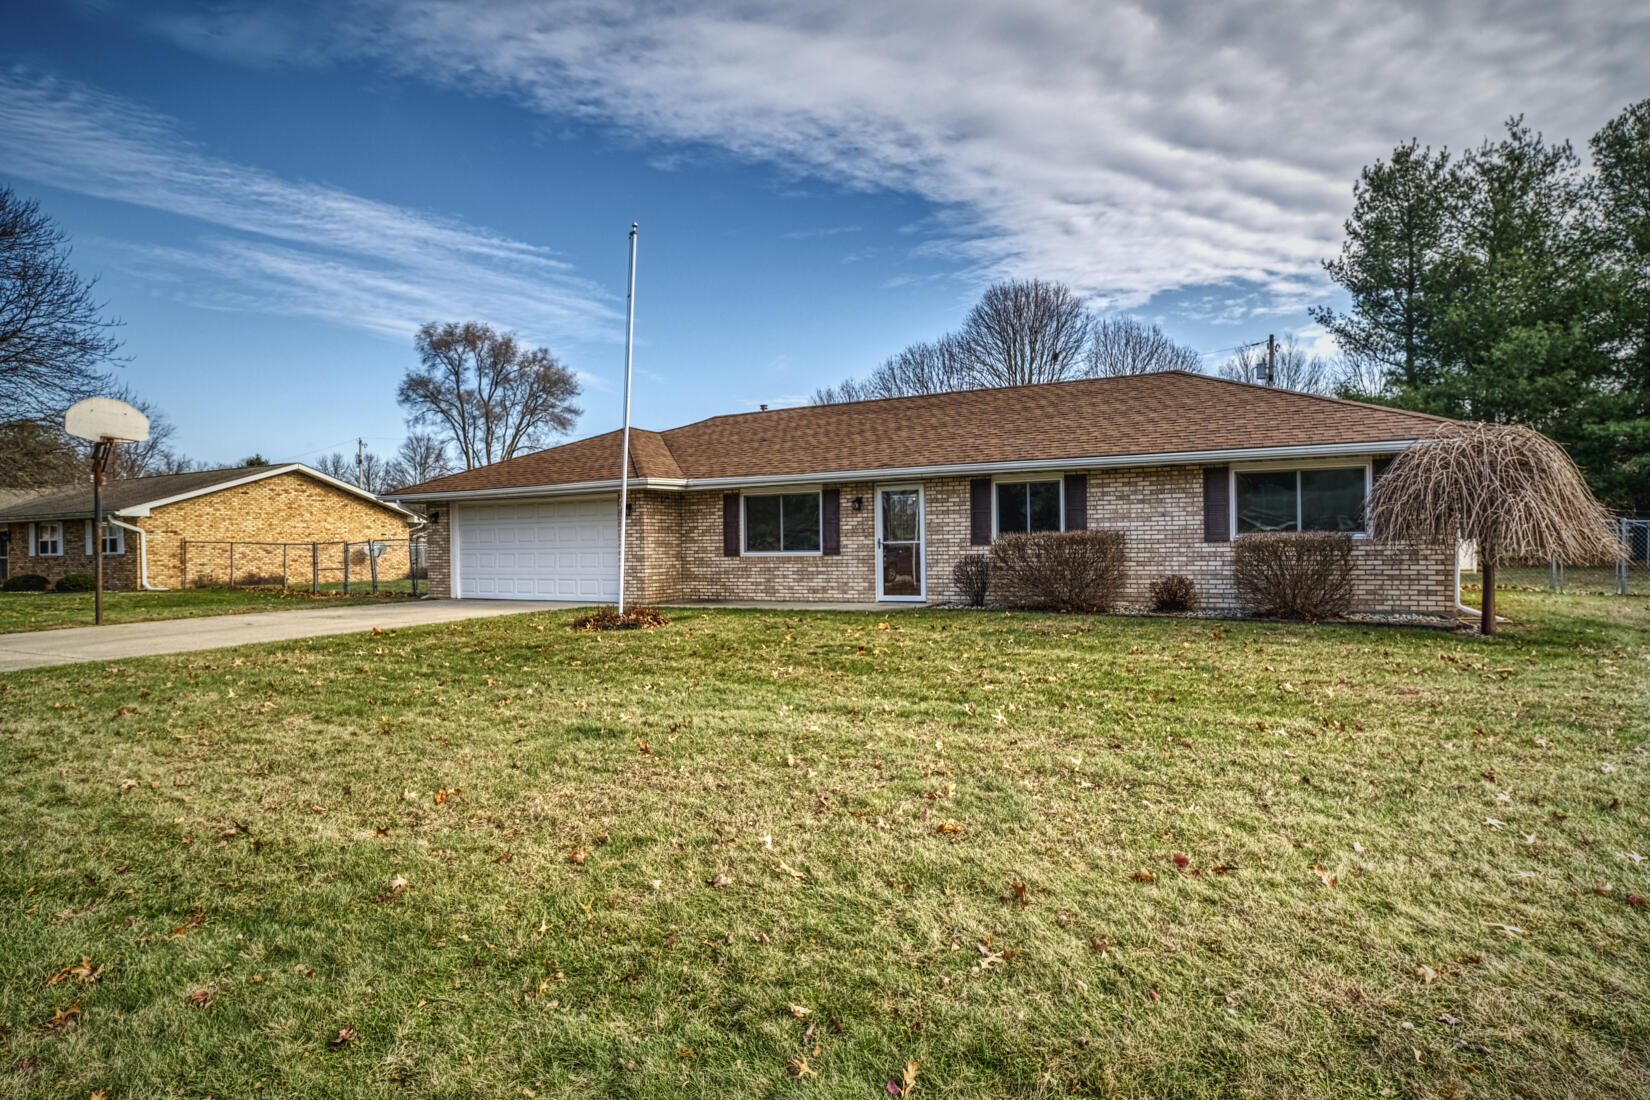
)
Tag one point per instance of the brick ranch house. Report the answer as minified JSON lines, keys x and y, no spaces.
{"x":876,"y":500}
{"x":148,"y":521}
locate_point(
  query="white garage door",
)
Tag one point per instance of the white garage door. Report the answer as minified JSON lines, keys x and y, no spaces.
{"x":567,"y":550}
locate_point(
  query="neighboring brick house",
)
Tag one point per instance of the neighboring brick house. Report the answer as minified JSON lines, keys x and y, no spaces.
{"x":876,"y":500}
{"x":151,"y":522}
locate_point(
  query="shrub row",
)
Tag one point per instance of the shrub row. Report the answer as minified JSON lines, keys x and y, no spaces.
{"x":1302,"y":575}
{"x":34,"y":582}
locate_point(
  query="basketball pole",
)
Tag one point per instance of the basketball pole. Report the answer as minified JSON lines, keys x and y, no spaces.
{"x":100,"y":456}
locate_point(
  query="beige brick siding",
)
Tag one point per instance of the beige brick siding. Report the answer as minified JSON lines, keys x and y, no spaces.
{"x":675,"y":548}
{"x":291,"y":507}
{"x":286,"y":508}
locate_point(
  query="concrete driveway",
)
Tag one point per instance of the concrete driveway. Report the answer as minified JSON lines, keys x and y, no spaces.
{"x":73,"y":645}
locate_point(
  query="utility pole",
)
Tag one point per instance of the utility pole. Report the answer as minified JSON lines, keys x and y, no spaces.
{"x":361,"y":463}
{"x":1271,"y":360}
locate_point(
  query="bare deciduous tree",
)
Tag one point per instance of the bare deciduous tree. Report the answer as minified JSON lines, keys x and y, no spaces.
{"x":1507,"y":488}
{"x":37,"y":456}
{"x":1024,"y":331}
{"x":1125,"y":345}
{"x":374,"y":473}
{"x":487,"y":395}
{"x":54,"y":340}
{"x":422,"y":457}
{"x":937,"y":367}
{"x":1293,"y":368}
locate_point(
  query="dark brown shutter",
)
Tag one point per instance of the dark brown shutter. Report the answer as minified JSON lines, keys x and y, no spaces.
{"x":1077,"y":502}
{"x":1217,"y":505}
{"x":830,"y":521}
{"x":730,"y":525}
{"x":979,"y":520}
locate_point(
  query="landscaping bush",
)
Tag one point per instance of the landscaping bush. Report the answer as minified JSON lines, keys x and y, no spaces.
{"x":76,"y":582}
{"x":1174,"y":593}
{"x":608,"y":619}
{"x":1297,"y":575}
{"x":1059,"y":570}
{"x":972,"y":575}
{"x":25,"y":582}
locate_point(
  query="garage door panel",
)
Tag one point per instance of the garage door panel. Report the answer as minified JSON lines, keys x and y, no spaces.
{"x":545,"y":550}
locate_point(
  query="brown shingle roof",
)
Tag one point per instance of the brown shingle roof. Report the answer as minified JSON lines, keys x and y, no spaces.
{"x":1148,"y":414}
{"x":76,"y":501}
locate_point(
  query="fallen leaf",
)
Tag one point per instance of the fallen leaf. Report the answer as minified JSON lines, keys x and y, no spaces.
{"x":1143,"y":875}
{"x":578,"y":855}
{"x":948,"y":827}
{"x":1634,"y":899}
{"x":345,"y":1034}
{"x":1602,"y":889}
{"x":83,"y":970}
{"x":1154,"y":995}
{"x":786,"y":868}
{"x":801,"y":1012}
{"x":909,"y":1077}
{"x":1449,"y":1021}
{"x":196,"y":917}
{"x":64,"y":1018}
{"x":202,"y":998}
{"x":1181,"y":861}
{"x":798,"y":1067}
{"x":1427,"y":974}
{"x":722,"y":879}
{"x":1325,"y":877}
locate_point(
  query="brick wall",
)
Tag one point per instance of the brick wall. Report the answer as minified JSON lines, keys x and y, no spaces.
{"x":119,"y":570}
{"x":675,"y":548}
{"x":286,"y":508}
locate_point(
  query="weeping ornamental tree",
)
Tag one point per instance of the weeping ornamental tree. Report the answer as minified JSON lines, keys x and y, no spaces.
{"x":1507,"y":488}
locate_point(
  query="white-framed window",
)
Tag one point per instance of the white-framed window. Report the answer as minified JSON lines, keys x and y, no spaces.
{"x":114,"y":539}
{"x":47,"y":539}
{"x":1026,"y":504}
{"x":782,"y":523}
{"x":1306,"y":498}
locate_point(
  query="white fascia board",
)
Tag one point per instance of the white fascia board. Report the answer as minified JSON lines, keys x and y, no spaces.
{"x":570,"y":488}
{"x":906,"y":473}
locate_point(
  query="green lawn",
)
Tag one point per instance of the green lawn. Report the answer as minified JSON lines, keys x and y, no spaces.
{"x":51,"y":610}
{"x":764,"y":854}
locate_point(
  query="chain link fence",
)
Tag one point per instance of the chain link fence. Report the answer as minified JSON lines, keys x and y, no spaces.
{"x":1628,"y":577}
{"x":378,"y":565}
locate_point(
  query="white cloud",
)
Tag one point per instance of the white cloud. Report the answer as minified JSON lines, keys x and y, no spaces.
{"x":284,"y":246}
{"x":1127,"y":148}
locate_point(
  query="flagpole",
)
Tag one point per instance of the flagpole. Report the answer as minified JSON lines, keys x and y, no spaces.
{"x":624,"y":450}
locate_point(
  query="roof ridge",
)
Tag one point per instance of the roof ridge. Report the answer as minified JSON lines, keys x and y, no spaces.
{"x":1308,"y":393}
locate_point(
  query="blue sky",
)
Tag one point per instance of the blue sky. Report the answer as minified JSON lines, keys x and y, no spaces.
{"x":275,"y":195}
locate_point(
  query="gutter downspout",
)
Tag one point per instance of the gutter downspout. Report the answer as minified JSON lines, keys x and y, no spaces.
{"x":143,"y":556}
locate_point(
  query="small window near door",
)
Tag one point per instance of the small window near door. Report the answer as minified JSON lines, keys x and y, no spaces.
{"x":782,"y":523}
{"x":1300,"y":500}
{"x":1025,"y":506}
{"x":48,"y":540}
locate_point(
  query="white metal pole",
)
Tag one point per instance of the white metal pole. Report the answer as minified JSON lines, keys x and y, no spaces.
{"x":624,"y":450}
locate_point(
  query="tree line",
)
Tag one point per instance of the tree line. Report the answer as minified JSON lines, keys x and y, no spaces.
{"x":1508,"y":284}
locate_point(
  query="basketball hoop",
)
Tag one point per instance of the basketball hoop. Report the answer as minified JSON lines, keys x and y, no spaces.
{"x":105,"y":422}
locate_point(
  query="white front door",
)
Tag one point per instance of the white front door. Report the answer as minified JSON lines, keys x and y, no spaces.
{"x":901,"y":570}
{"x":546,"y":550}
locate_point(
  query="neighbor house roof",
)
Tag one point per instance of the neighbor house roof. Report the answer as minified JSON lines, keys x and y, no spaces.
{"x":136,"y":495}
{"x":1164,"y":416}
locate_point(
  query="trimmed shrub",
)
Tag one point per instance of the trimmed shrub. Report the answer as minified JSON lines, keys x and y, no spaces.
{"x":608,"y":618}
{"x":26,"y":582}
{"x":972,"y":575}
{"x":76,"y":582}
{"x":1296,"y":575}
{"x":1174,"y":593}
{"x":1059,"y":570}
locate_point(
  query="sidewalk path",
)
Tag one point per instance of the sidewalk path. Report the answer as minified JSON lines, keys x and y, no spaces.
{"x":73,"y":645}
